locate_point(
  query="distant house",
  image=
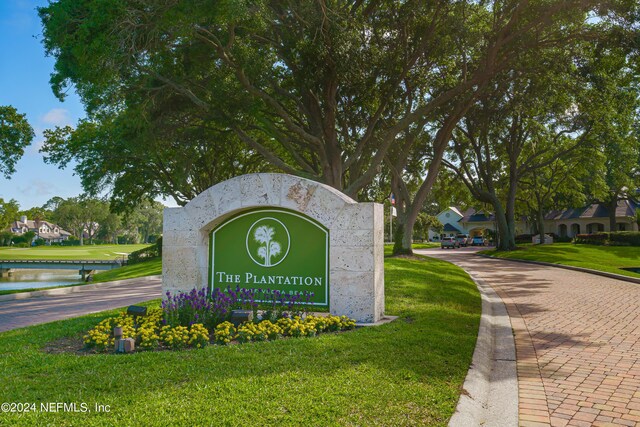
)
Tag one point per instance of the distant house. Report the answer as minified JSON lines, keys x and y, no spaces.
{"x":50,"y":233}
{"x":592,"y":219}
{"x":565,"y":223}
{"x":471,"y":222}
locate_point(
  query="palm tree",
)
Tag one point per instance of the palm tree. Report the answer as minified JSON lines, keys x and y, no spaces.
{"x":262,"y":252}
{"x":274,"y":250}
{"x":264,"y":234}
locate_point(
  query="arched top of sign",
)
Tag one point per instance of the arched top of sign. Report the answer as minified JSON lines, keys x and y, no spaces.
{"x":266,"y":190}
{"x":267,"y":210}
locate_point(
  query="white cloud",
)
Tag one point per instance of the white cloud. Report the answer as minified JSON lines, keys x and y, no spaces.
{"x":57,"y":117}
{"x":38,"y":187}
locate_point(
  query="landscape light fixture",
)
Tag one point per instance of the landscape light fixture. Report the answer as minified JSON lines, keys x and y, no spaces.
{"x":136,"y":310}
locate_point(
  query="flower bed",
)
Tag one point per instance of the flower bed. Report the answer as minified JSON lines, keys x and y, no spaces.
{"x":197,"y":318}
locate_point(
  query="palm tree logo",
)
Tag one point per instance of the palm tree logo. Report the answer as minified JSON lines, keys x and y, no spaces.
{"x":269,"y":250}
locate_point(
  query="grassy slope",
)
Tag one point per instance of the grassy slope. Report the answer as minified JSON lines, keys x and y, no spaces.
{"x":69,"y":252}
{"x":603,"y":258}
{"x":146,"y":268}
{"x":408,"y":372}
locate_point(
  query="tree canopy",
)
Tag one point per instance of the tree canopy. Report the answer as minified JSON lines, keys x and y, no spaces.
{"x":180,"y":95}
{"x":15,"y":134}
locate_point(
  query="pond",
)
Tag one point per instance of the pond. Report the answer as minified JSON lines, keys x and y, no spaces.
{"x":26,"y":279}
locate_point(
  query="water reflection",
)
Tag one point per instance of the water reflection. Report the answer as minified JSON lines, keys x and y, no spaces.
{"x":25,"y":279}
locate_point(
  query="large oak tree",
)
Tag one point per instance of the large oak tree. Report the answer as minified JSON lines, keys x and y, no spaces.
{"x":329,"y":90}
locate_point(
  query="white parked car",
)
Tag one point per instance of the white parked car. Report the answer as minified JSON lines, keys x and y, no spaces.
{"x":449,"y":242}
{"x":463,"y":240}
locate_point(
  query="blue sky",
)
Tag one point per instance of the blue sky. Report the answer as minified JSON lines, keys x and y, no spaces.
{"x":24,"y":84}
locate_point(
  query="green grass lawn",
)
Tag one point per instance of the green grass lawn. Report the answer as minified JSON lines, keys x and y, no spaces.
{"x":408,"y":372}
{"x":426,"y":245}
{"x":146,"y":268}
{"x":93,"y":252}
{"x":604,"y":258}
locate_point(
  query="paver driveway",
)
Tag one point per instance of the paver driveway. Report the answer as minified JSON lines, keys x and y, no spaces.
{"x":31,"y":311}
{"x":577,"y":340}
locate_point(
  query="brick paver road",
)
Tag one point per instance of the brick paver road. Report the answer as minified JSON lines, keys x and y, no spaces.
{"x":577,"y":340}
{"x":32,"y":311}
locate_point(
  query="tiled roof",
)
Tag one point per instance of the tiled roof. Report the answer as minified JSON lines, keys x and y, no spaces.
{"x":625,"y":208}
{"x":34,"y":225}
{"x":472,"y":215}
{"x":450,"y":228}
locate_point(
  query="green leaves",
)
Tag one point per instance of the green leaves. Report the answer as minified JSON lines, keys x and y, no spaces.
{"x":15,"y":135}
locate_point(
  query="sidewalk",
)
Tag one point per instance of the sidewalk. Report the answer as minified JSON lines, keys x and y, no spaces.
{"x":577,"y":340}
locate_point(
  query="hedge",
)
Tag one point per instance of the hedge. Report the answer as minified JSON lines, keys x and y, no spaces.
{"x":145,"y":254}
{"x":617,"y":238}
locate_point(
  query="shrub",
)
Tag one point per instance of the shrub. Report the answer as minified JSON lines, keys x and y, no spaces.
{"x":148,"y":337}
{"x":145,"y":333}
{"x":262,"y":331}
{"x":296,"y":326}
{"x":563,"y":239}
{"x":71,"y":241}
{"x":277,"y":303}
{"x":332,"y":323}
{"x":592,"y":239}
{"x":144,"y":254}
{"x":198,"y":336}
{"x":224,"y":333}
{"x":174,"y":337}
{"x":624,"y":238}
{"x":101,"y":337}
{"x":618,"y":238}
{"x":198,"y":306}
{"x":523,"y":238}
{"x":248,"y":332}
{"x":148,"y":332}
{"x":185,"y":309}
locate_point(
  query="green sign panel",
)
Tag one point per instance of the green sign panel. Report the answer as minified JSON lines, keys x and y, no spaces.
{"x":271,"y":249}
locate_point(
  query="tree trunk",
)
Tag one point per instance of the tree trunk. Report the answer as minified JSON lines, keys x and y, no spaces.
{"x":511,"y":206}
{"x":506,"y":239}
{"x":403,"y":239}
{"x":541,"y":226}
{"x":412,"y":208}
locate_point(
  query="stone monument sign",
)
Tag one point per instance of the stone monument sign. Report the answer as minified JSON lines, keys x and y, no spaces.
{"x":279,"y":232}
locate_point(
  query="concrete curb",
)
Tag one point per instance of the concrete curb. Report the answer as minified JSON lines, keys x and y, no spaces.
{"x":569,"y":267}
{"x":490,"y":391}
{"x":75,"y":288}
